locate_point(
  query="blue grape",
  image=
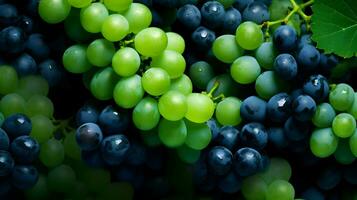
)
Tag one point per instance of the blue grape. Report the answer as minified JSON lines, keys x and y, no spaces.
{"x":253,"y":135}
{"x":37,"y":47}
{"x":201,"y":176}
{"x":8,"y":14}
{"x":24,"y":176}
{"x":112,"y":121}
{"x":93,"y":158}
{"x":227,"y":136}
{"x":253,"y":109}
{"x":212,"y":14}
{"x":247,"y":161}
{"x":87,"y":114}
{"x":203,"y":37}
{"x":303,"y":108}
{"x":279,"y":107}
{"x":25,"y":149}
{"x":328,"y":62}
{"x":214,"y":127}
{"x":6,"y":163}
{"x":256,"y":12}
{"x":17,"y":125}
{"x":89,"y":136}
{"x":304,"y":40}
{"x":231,"y":183}
{"x":308,"y":57}
{"x":114,"y":149}
{"x":4,"y":140}
{"x":285,"y":38}
{"x":231,"y":20}
{"x":13,"y":37}
{"x":286,"y":66}
{"x":190,"y":16}
{"x":25,"y":65}
{"x":317,"y":87}
{"x":277,"y":138}
{"x":296,"y":130}
{"x":131,"y":175}
{"x":27,"y":24}
{"x":51,"y":71}
{"x":219,"y":160}
{"x":242,"y":4}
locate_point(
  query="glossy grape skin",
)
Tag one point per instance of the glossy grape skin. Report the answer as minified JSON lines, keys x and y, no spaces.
{"x":93,"y":16}
{"x":226,"y":49}
{"x":128,"y":91}
{"x":268,"y":84}
{"x":111,"y":121}
{"x":227,"y":136}
{"x":212,"y":14}
{"x":14,"y":37}
{"x":324,"y":115}
{"x":146,"y":114}
{"x":246,"y":161}
{"x":25,"y":149}
{"x":344,"y":125}
{"x":87,"y":114}
{"x":6,"y":162}
{"x":171,"y":61}
{"x":203,"y":37}
{"x":172,"y":133}
{"x":100,"y":52}
{"x":25,"y":65}
{"x":173,"y":99}
{"x":150,"y":42}
{"x":52,"y":153}
{"x":232,"y":19}
{"x":114,"y":149}
{"x":42,"y":128}
{"x":103,"y":83}
{"x":138,"y":16}
{"x":198,"y":135}
{"x":126,"y":61}
{"x":245,"y":70}
{"x":317,"y":87}
{"x":89,"y":136}
{"x":79,"y":3}
{"x":308,"y":57}
{"x":253,"y":109}
{"x":36,"y":46}
{"x":303,"y":108}
{"x":75,"y":59}
{"x":115,"y":27}
{"x":256,"y":12}
{"x":182,"y":85}
{"x":175,"y":42}
{"x":254,"y":135}
{"x":11,"y":104}
{"x":74,"y":29}
{"x":8,"y":79}
{"x":54,"y":11}
{"x":4,"y":140}
{"x":200,"y":108}
{"x":280,"y":189}
{"x":249,"y":35}
{"x":156,"y":81}
{"x":17,"y":125}
{"x":285,"y":38}
{"x":219,"y":160}
{"x":24,"y":176}
{"x":190,"y":16}
{"x":341,"y":97}
{"x":228,"y":111}
{"x":286,"y":66}
{"x":39,"y":105}
{"x":118,"y":6}
{"x":279,"y":107}
{"x":323,"y":142}
{"x":265,"y":55}
{"x":201,"y":73}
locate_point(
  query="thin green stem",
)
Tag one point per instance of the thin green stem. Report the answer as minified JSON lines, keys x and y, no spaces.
{"x":306,"y":4}
{"x":214,"y":88}
{"x":221,"y":97}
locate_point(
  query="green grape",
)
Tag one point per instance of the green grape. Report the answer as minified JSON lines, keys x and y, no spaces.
{"x":278,"y":169}
{"x":344,"y":125}
{"x":151,"y":137}
{"x":268,"y":84}
{"x":341,"y":97}
{"x":52,"y":153}
{"x":146,"y":114}
{"x":188,"y":155}
{"x":61,"y":179}
{"x":32,"y":85}
{"x":200,"y":108}
{"x":8,"y":80}
{"x":175,"y":42}
{"x":170,"y":100}
{"x":2,"y":119}
{"x":71,"y":148}
{"x":80,"y":3}
{"x":117,"y":190}
{"x":226,"y":49}
{"x":118,"y":6}
{"x":75,"y":59}
{"x":139,"y":17}
{"x":103,"y":83}
{"x":128,"y":91}
{"x":226,"y":3}
{"x":39,"y":191}
{"x":42,"y":128}
{"x":100,"y":52}
{"x":281,"y":190}
{"x":126,"y":61}
{"x":150,"y":42}
{"x":182,"y":84}
{"x":39,"y":105}
{"x":74,"y":29}
{"x":172,"y":62}
{"x":54,"y":11}
{"x":156,"y":81}
{"x":352,"y":110}
{"x":245,"y":70}
{"x":198,"y":135}
{"x":249,"y":35}
{"x":228,"y":111}
{"x":323,"y":115}
{"x":226,"y":86}
{"x":11,"y":104}
{"x":93,"y":16}
{"x":87,"y":77}
{"x":265,"y":55}
{"x":115,"y":27}
{"x":201,"y":73}
{"x":353,"y":143}
{"x":172,"y":133}
{"x":323,"y":142}
{"x":254,"y":188}
{"x":343,"y":153}
{"x":95,"y":179}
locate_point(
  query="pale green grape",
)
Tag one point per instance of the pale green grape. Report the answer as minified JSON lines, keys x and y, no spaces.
{"x":32,"y":85}
{"x":11,"y":104}
{"x":352,"y":110}
{"x":281,"y":190}
{"x":342,"y":97}
{"x":353,"y":143}
{"x":93,"y":16}
{"x":343,"y":153}
{"x":103,"y":83}
{"x":344,"y":125}
{"x":71,"y":147}
{"x":278,"y":169}
{"x":188,"y":155}
{"x":172,"y":62}
{"x":265,"y":55}
{"x":150,"y":42}
{"x":156,"y":81}
{"x":249,"y":35}
{"x":117,"y":190}
{"x":182,"y":84}
{"x":54,"y":11}
{"x":198,"y":135}
{"x":128,"y":91}
{"x":324,"y":115}
{"x":115,"y":27}
{"x":126,"y":61}
{"x":245,"y":70}
{"x":52,"y":153}
{"x":226,"y":49}
{"x":254,"y":188}
{"x":8,"y":80}
{"x":75,"y":59}
{"x":139,"y":17}
{"x":323,"y":142}
{"x":146,"y":114}
{"x":173,"y":105}
{"x":42,"y":128}
{"x":61,"y":179}
{"x":200,"y":108}
{"x":39,"y":105}
{"x":80,"y":3}
{"x":39,"y":191}
{"x":228,"y":111}
{"x":118,"y":6}
{"x":175,"y":42}
{"x":100,"y":52}
{"x":268,"y":84}
{"x":172,"y":133}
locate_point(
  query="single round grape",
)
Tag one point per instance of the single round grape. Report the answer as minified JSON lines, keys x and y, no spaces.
{"x":138,"y":16}
{"x":146,"y":114}
{"x":249,"y":35}
{"x":228,"y":111}
{"x":278,"y":169}
{"x":187,"y":154}
{"x":39,"y":105}
{"x":11,"y":104}
{"x":42,"y":128}
{"x":61,"y":179}
{"x":254,"y":188}
{"x":342,"y":97}
{"x":8,"y":80}
{"x":128,"y":91}
{"x":151,"y":42}
{"x":265,"y":55}
{"x":115,"y":27}
{"x":280,"y":189}
{"x":156,"y":81}
{"x":353,"y":143}
{"x":198,"y":135}
{"x":172,"y":133}
{"x":344,"y":125}
{"x":103,"y":83}
{"x":173,"y":99}
{"x":324,"y":115}
{"x":268,"y":84}
{"x":75,"y":59}
{"x":182,"y":84}
{"x":200,"y":108}
{"x":171,"y":61}
{"x":126,"y":61}
{"x":100,"y":52}
{"x":226,"y":49}
{"x":201,"y":73}
{"x":54,"y":11}
{"x":24,"y":176}
{"x":118,"y":6}
{"x":323,"y":142}
{"x":93,"y":16}
{"x":52,"y":153}
{"x":79,"y":3}
{"x":245,"y":70}
{"x":343,"y":153}
{"x":175,"y":42}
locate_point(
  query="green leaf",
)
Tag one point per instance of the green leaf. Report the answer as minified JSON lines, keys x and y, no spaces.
{"x":334,"y":26}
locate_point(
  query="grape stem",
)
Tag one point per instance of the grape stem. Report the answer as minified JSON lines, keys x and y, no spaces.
{"x":214,"y":88}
